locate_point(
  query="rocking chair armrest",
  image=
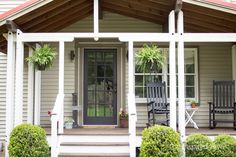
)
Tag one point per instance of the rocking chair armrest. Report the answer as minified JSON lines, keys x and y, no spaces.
{"x":210,"y":103}
{"x":150,"y":103}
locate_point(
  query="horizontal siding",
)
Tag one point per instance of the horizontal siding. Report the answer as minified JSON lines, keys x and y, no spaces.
{"x":214,"y":64}
{"x":3,"y":76}
{"x":6,"y":5}
{"x":114,"y":23}
{"x":110,"y":23}
{"x":49,"y":85}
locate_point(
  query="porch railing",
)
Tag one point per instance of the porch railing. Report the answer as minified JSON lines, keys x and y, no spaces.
{"x":56,"y":124}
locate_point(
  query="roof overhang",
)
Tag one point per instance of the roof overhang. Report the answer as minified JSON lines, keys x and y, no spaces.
{"x":21,"y":10}
{"x":54,"y":15}
{"x":214,"y":4}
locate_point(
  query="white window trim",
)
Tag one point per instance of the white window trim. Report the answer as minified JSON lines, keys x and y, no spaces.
{"x":164,"y":73}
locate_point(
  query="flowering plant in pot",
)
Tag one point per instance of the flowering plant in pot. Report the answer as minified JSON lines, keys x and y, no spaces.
{"x":123,"y":117}
{"x":43,"y":57}
{"x":69,"y":122}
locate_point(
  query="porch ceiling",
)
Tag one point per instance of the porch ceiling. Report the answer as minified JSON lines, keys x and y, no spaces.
{"x":59,"y":14}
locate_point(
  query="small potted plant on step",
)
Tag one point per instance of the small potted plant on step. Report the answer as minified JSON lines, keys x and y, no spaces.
{"x":43,"y":57}
{"x":69,"y":122}
{"x":123,"y":117}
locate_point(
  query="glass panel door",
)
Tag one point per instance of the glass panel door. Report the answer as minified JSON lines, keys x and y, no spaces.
{"x":100,"y":87}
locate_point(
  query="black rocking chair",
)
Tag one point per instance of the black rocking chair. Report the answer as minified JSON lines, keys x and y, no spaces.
{"x":223,"y":102}
{"x":157,"y":103}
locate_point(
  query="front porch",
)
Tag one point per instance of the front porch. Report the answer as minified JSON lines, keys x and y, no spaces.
{"x":52,"y":90}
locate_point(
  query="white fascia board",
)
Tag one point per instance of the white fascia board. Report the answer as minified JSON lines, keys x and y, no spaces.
{"x":55,"y":37}
{"x":25,"y":10}
{"x":209,"y":37}
{"x":136,"y":37}
{"x":210,"y":5}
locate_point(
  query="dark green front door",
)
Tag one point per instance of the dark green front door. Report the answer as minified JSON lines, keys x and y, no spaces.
{"x":100,"y":87}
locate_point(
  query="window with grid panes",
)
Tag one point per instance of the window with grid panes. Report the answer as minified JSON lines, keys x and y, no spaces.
{"x":191,"y":76}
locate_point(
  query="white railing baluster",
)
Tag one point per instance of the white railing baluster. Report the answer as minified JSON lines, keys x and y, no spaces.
{"x":55,"y":118}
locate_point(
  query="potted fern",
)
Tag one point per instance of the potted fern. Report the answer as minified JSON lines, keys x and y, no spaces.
{"x":150,"y":58}
{"x":43,"y":57}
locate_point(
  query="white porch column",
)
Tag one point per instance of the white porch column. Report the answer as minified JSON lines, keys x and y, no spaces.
{"x":37,"y":99}
{"x":96,"y":17}
{"x":172,"y":63}
{"x":234,"y":64}
{"x":30,"y":101}
{"x":10,"y":88}
{"x":131,"y":102}
{"x":181,"y":77}
{"x":61,"y":82}
{"x":19,"y":79}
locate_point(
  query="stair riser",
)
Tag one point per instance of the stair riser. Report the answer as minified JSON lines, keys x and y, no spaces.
{"x":114,"y":139}
{"x":94,"y":149}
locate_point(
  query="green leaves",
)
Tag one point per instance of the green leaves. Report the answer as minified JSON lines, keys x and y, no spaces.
{"x":198,"y":145}
{"x":43,"y":56}
{"x":27,"y":140}
{"x":150,"y":57}
{"x":160,"y":141}
{"x":225,"y":146}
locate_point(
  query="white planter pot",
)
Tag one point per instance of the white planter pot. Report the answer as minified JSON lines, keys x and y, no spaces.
{"x":69,"y":125}
{"x":188,"y":104}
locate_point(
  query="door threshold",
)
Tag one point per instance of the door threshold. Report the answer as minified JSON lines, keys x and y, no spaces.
{"x":99,"y":126}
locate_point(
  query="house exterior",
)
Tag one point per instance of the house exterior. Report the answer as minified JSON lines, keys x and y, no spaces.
{"x":96,"y":43}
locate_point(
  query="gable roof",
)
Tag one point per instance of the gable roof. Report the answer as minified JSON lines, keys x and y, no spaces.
{"x":54,"y":15}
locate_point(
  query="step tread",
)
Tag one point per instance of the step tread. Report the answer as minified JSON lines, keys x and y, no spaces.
{"x":93,"y":155}
{"x":95,"y":144}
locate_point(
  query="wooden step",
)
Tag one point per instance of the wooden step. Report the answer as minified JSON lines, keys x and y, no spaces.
{"x":93,"y":155}
{"x":95,"y":144}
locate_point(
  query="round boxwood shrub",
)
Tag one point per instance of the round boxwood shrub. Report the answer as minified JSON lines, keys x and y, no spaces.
{"x":27,"y":140}
{"x":198,"y":145}
{"x":225,"y":146}
{"x":160,"y":141}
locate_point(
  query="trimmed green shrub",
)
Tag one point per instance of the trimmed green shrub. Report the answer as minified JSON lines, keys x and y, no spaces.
{"x":198,"y":145}
{"x":160,"y":141}
{"x":28,"y":140}
{"x":225,"y":146}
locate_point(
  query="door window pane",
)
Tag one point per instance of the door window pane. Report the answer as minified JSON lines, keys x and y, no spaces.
{"x":91,"y":110}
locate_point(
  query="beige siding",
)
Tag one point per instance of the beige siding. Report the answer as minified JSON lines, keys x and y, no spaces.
{"x":114,"y":23}
{"x":49,"y":88}
{"x":214,"y":64}
{"x":109,"y":23}
{"x":3,"y":76}
{"x":6,"y":5}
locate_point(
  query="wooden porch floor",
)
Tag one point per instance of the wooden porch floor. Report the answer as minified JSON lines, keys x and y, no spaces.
{"x":124,"y":131}
{"x":93,"y":131}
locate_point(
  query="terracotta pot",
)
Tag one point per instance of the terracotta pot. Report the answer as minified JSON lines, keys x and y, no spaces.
{"x":124,"y":123}
{"x":194,"y":105}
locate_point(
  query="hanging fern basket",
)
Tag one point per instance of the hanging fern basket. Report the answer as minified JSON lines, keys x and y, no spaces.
{"x":43,"y":57}
{"x":41,"y":67}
